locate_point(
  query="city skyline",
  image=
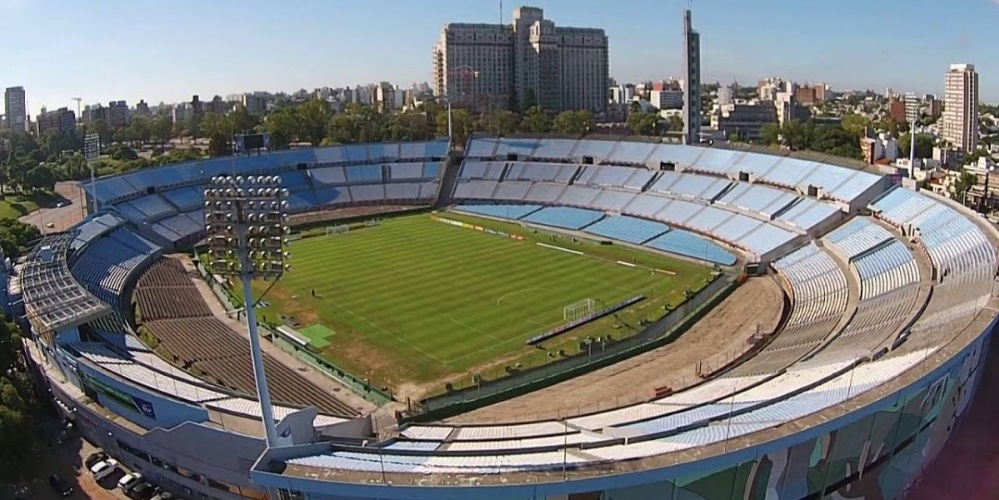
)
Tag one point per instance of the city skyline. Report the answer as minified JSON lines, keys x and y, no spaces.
{"x":308,"y":47}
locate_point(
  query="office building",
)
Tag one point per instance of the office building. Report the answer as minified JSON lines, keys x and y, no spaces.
{"x":666,"y":99}
{"x":692,"y":82}
{"x":61,"y":120}
{"x":932,"y":106}
{"x":142,"y":109}
{"x":255,"y":104}
{"x":744,"y":118}
{"x":16,"y":109}
{"x":960,"y":115}
{"x":560,"y":68}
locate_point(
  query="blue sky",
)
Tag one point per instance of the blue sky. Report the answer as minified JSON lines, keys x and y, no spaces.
{"x":167,"y":50}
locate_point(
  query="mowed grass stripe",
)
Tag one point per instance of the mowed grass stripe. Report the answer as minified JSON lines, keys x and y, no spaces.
{"x":439,"y":299}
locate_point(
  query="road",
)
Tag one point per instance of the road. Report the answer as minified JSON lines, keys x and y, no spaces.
{"x":61,"y":218}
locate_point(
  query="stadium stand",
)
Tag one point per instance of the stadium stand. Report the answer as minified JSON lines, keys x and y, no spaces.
{"x":684,"y":243}
{"x":628,"y":229}
{"x":564,"y":217}
{"x":177,"y":315}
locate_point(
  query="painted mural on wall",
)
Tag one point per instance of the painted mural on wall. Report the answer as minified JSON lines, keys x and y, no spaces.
{"x":874,"y":458}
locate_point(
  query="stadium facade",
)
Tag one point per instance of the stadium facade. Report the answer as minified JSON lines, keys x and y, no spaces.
{"x":892,"y":306}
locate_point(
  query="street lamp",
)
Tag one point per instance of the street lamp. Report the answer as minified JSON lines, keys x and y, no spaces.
{"x":91,"y":150}
{"x":246,"y":222}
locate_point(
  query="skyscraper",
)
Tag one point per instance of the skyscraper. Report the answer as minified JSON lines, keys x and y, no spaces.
{"x":531,"y":60}
{"x":16,"y":109}
{"x":692,"y":82}
{"x":960,"y":115}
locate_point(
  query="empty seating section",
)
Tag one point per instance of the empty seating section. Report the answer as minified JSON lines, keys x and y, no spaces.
{"x":628,"y":229}
{"x":717,"y":160}
{"x":481,"y":148}
{"x":542,"y":172}
{"x":512,"y":212}
{"x":678,"y":211}
{"x":93,"y":228}
{"x":357,"y":174}
{"x":888,"y":268}
{"x":328,"y":175}
{"x":580,"y":196}
{"x":474,"y":190}
{"x":544,"y":192}
{"x":690,"y":245}
{"x":612,"y":200}
{"x":634,"y":153}
{"x":689,"y":185}
{"x":512,"y":190}
{"x":106,"y":264}
{"x":302,"y":201}
{"x":708,"y":218}
{"x":406,"y":171}
{"x":367,"y":193}
{"x":819,"y":297}
{"x":185,"y":199}
{"x":758,"y":199}
{"x":149,"y":208}
{"x":180,"y":226}
{"x":294,"y":180}
{"x":807,"y":214}
{"x":605,"y":176}
{"x":857,"y":236}
{"x":875,"y":324}
{"x":564,"y":217}
{"x":177,"y":315}
{"x":554,"y":149}
{"x":520,"y":147}
{"x":956,"y":246}
{"x":645,"y":205}
{"x":764,"y":239}
{"x":402,"y":191}
{"x":789,"y":172}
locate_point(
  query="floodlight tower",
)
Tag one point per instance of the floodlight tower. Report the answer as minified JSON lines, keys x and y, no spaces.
{"x":246,"y":222}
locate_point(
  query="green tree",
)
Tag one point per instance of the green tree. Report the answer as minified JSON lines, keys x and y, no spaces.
{"x":218,"y":129}
{"x":140,"y":129}
{"x":410,"y":126}
{"x":735,"y":137}
{"x":675,"y":123}
{"x":924,"y":145}
{"x":530,"y":99}
{"x":41,"y":178}
{"x":499,"y":122}
{"x":16,"y":398}
{"x":770,"y":133}
{"x":536,"y":121}
{"x":161,"y":129}
{"x":643,"y":123}
{"x":313,"y":121}
{"x":573,"y":122}
{"x":102,"y":129}
{"x":282,"y":125}
{"x":461,"y":123}
{"x":242,"y":121}
{"x":855,"y":124}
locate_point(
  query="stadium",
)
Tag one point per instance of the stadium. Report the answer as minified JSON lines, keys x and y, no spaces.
{"x":851,"y":313}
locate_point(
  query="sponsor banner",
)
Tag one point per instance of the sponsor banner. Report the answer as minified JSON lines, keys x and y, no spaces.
{"x":477,"y":228}
{"x":140,"y":405}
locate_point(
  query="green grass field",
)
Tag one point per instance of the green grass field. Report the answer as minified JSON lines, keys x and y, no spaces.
{"x":417,"y":301}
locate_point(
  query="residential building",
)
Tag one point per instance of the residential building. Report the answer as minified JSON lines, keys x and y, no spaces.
{"x":117,"y":114}
{"x":692,"y":80}
{"x":16,"y":109}
{"x":932,"y":106}
{"x":726,"y":95}
{"x":389,"y":98}
{"x":744,"y":118}
{"x":181,"y":112}
{"x":255,"y":104}
{"x":197,"y":107}
{"x":896,"y":110}
{"x":61,"y":120}
{"x":880,"y":149}
{"x":142,"y":109}
{"x":666,"y":99}
{"x":532,"y":59}
{"x":787,"y":108}
{"x":810,"y":95}
{"x":93,"y":112}
{"x":217,"y":106}
{"x":960,"y":114}
{"x":768,"y":88}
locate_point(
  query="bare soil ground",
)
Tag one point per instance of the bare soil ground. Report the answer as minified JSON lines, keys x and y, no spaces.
{"x":719,"y":337}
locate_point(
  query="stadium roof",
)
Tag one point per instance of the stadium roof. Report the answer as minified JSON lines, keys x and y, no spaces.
{"x":52,"y":298}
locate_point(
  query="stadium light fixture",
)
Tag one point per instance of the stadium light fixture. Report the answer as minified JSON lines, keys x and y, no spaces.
{"x":246,"y":221}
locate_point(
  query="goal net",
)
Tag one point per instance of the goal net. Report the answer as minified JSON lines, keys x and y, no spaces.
{"x":338,"y":229}
{"x":577,"y":310}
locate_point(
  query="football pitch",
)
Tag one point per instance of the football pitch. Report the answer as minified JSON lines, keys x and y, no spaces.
{"x":416,"y":300}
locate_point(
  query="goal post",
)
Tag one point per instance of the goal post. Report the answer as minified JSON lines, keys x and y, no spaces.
{"x":577,"y":310}
{"x":337,"y":229}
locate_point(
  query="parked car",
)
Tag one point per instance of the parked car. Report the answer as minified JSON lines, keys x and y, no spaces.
{"x":129,"y":480}
{"x":60,"y":485}
{"x":93,"y":458}
{"x":163,"y":495}
{"x":141,"y":491}
{"x":103,"y":469}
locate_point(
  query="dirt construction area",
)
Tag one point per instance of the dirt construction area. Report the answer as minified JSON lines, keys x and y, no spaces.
{"x":719,"y":337}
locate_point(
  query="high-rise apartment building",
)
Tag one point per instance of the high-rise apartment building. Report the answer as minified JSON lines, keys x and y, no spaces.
{"x":16,"y":109}
{"x":531,"y":60}
{"x":960,"y":114}
{"x":117,"y":114}
{"x":61,"y":120}
{"x":692,"y":82}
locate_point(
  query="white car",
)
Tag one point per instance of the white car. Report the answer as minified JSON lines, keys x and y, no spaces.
{"x":101,"y":470}
{"x":129,"y":480}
